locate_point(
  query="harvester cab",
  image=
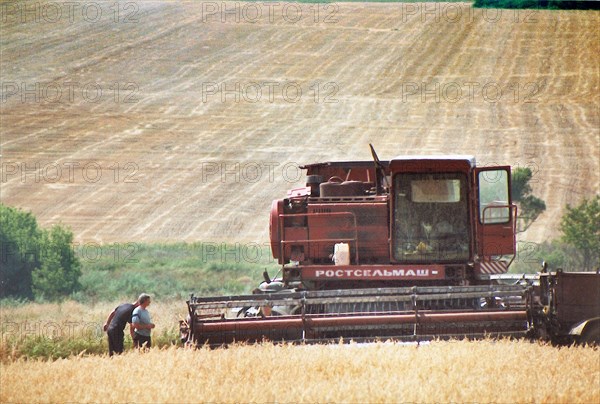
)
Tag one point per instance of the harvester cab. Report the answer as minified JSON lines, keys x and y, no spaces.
{"x":406,"y":248}
{"x":414,"y":220}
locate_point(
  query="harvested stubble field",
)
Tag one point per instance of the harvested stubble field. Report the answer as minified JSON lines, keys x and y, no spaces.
{"x":483,"y":371}
{"x":183,"y":122}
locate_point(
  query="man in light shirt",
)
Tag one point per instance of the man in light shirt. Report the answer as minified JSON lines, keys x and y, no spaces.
{"x":142,"y":324}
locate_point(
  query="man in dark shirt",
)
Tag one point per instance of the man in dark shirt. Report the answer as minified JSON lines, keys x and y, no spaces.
{"x":115,"y":325}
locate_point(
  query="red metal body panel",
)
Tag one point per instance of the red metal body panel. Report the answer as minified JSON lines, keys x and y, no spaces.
{"x":494,"y":239}
{"x":371,"y":231}
{"x":577,"y":296}
{"x":274,"y":229}
{"x":430,"y":165}
{"x":288,"y":322}
{"x":417,"y":325}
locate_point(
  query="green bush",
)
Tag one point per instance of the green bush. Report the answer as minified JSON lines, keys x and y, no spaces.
{"x":580,"y":227}
{"x":19,"y":238}
{"x":35,"y":262}
{"x":59,"y":273}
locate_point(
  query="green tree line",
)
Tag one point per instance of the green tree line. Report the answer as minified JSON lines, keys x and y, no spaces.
{"x":35,"y":262}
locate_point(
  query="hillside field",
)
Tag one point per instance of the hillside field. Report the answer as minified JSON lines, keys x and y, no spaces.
{"x":170,"y":121}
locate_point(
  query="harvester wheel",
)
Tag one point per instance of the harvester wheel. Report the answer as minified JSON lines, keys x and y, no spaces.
{"x":591,"y":335}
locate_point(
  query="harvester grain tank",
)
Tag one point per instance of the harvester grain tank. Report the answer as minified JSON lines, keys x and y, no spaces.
{"x":414,"y":248}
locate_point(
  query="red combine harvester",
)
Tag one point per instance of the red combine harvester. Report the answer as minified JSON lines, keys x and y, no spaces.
{"x":413,"y":248}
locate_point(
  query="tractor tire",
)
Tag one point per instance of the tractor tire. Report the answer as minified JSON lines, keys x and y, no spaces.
{"x":591,"y":335}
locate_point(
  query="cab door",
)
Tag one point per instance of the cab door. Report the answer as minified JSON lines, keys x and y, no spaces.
{"x":496,"y":215}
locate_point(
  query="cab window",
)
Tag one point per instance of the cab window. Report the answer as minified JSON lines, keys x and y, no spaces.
{"x":493,"y":197}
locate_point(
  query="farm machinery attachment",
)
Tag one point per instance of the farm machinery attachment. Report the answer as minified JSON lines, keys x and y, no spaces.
{"x":414,"y":248}
{"x":403,"y":313}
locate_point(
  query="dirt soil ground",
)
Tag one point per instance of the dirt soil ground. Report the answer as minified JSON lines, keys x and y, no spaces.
{"x":173,"y":121}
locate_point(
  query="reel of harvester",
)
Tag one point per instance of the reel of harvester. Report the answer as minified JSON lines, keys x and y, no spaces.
{"x":404,"y":314}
